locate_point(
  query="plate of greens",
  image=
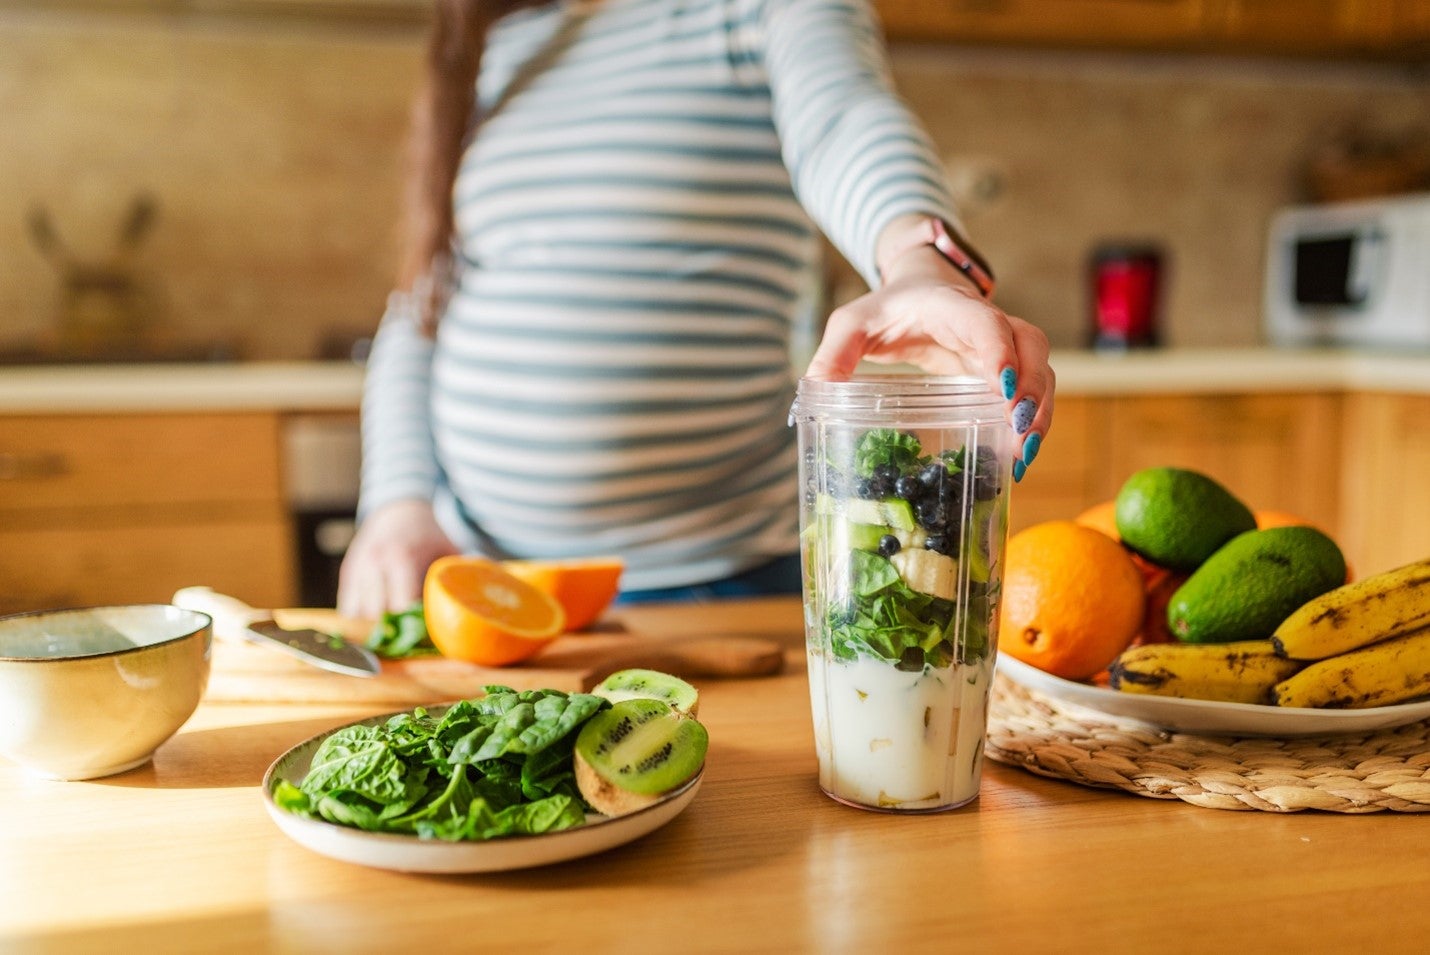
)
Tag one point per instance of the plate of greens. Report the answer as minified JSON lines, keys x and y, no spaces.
{"x":481,"y":785}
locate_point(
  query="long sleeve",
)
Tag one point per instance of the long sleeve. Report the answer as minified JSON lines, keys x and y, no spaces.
{"x":856,"y":155}
{"x":399,"y":457}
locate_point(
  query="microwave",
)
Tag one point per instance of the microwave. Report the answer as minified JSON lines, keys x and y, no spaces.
{"x":1350,"y":273}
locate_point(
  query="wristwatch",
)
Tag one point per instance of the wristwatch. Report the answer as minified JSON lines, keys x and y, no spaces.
{"x":959,"y":253}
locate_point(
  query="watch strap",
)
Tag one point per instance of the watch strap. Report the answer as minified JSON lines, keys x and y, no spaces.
{"x":958,"y":251}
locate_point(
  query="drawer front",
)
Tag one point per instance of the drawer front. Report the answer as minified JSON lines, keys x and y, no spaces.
{"x":1274,"y":452}
{"x":88,"y":566}
{"x":66,"y":461}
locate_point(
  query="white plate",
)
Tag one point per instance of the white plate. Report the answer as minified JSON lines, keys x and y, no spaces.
{"x":404,"y":853}
{"x":1209,"y":717}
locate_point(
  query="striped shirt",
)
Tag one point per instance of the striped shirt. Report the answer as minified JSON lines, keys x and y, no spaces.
{"x":637,"y":220}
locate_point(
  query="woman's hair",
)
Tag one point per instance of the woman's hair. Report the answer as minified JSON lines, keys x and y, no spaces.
{"x":443,"y":116}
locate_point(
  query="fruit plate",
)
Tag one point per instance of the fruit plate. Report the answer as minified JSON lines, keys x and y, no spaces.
{"x":1208,"y":717}
{"x":403,"y":853}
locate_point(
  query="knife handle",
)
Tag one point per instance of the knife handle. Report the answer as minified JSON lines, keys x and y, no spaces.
{"x":231,"y":616}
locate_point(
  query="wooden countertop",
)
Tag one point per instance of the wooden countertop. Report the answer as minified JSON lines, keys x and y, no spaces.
{"x":330,"y":386}
{"x":179,"y":856}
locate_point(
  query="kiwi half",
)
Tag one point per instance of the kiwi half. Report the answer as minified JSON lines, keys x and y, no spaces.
{"x":629,"y":755}
{"x":650,"y":685}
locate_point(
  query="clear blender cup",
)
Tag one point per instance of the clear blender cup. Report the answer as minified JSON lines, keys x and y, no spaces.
{"x":903,"y":518}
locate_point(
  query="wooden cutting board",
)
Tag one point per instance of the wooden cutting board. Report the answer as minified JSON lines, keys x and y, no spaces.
{"x":247,"y":673}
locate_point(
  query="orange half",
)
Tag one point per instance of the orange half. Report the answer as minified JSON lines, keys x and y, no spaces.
{"x":584,"y":587}
{"x":478,"y":612}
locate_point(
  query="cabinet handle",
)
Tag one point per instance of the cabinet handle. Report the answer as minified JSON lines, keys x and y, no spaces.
{"x":40,"y":465}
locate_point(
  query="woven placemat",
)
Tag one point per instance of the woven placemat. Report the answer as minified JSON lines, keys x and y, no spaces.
{"x":1352,"y":773}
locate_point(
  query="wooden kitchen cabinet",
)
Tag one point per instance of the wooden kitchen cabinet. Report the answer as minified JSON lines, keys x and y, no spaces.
{"x":129,"y":507}
{"x":1386,"y":472}
{"x":1281,"y":452}
{"x":1274,"y":451}
{"x":1306,"y":26}
{"x":1067,"y":476}
{"x":1395,"y":29}
{"x":1108,"y":23}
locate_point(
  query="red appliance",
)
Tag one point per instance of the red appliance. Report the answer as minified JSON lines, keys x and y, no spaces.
{"x":1126,"y":296}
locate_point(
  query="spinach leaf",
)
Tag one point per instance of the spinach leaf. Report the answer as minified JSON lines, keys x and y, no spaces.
{"x":886,"y":446}
{"x":497,"y":765}
{"x":885,"y":618}
{"x":399,"y":634}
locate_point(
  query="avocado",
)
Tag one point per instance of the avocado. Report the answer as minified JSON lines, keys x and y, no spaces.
{"x":1252,"y":583}
{"x":1178,"y":518}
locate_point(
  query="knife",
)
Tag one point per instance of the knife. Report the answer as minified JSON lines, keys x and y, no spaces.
{"x":235,"y":620}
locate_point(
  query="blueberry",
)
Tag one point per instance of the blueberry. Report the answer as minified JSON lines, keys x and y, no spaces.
{"x":936,"y":543}
{"x":864,"y":487}
{"x":929,"y":513}
{"x":882,"y":483}
{"x":889,"y":545}
{"x":930,"y":475}
{"x":909,"y":488}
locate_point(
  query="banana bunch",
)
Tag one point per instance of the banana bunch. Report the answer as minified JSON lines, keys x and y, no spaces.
{"x":1361,"y":645}
{"x":1359,"y":614}
{"x":1371,"y":641}
{"x":1242,"y":671}
{"x":1383,"y":673}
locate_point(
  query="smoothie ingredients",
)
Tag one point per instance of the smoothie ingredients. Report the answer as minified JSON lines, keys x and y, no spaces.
{"x":1243,"y":671}
{"x":478,"y":612}
{"x":1355,"y":615}
{"x":400,"y":634}
{"x":1072,"y":599}
{"x":638,"y":684}
{"x":502,"y":764}
{"x":903,"y":556}
{"x":1251,"y":584}
{"x":499,"y":765}
{"x":1178,"y":518}
{"x":632,"y":753}
{"x":584,"y":587}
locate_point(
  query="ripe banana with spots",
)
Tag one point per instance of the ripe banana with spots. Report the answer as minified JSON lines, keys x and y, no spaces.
{"x":1386,"y":672}
{"x":1377,"y":608}
{"x":1242,"y":671}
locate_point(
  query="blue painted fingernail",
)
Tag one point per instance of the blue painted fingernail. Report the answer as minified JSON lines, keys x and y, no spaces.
{"x":1030,"y":448}
{"x":1019,"y":469}
{"x":1009,"y":380}
{"x":1023,"y":413}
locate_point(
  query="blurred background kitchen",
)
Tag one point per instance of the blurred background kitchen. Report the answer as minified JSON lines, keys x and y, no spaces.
{"x":213,"y":183}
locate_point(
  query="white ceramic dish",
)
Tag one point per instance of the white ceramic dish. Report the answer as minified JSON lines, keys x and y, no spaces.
{"x":1211,"y":718}
{"x":94,"y":691}
{"x":402,"y":853}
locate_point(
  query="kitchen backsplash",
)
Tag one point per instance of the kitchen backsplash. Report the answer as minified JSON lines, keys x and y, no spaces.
{"x":269,"y":152}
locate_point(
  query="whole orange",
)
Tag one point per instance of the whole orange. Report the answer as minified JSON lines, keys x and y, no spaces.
{"x":1101,"y":517}
{"x":478,"y":612}
{"x":1072,"y":599}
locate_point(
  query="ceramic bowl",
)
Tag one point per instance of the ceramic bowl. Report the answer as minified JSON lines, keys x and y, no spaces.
{"x":95,"y":691}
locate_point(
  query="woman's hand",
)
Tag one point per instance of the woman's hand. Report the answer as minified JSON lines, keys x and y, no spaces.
{"x":388,"y":559}
{"x":928,"y":314}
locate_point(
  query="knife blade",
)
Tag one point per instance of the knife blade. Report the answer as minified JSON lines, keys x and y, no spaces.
{"x":235,"y":620}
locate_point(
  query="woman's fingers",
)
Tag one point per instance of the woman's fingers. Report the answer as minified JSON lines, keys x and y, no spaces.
{"x":945,"y":329}
{"x":387,"y":562}
{"x":843,"y":344}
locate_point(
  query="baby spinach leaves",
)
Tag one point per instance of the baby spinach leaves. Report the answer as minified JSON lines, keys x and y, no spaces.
{"x":497,"y":765}
{"x":401,"y":633}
